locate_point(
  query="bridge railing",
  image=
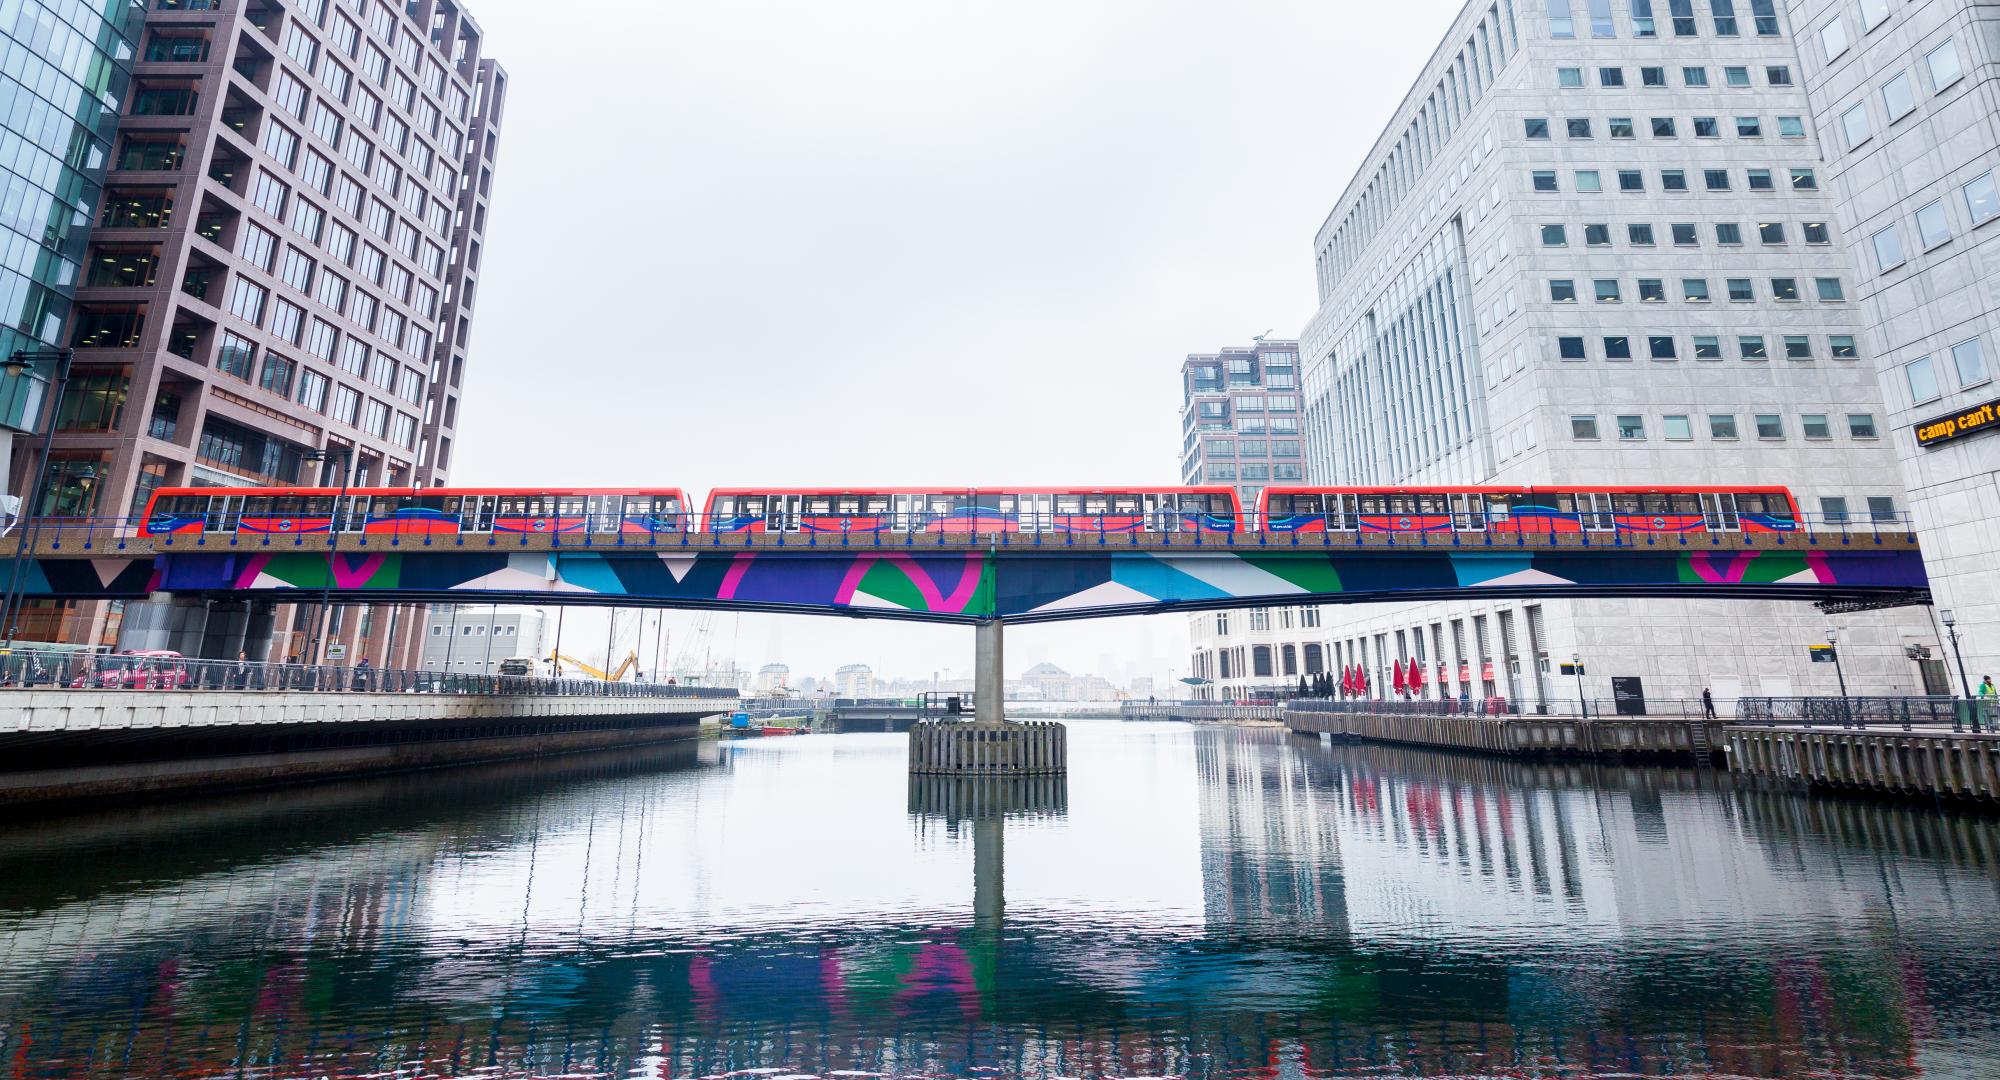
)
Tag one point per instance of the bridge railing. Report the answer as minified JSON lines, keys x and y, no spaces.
{"x":1591,"y":708}
{"x":696,"y":531}
{"x":36,"y":670}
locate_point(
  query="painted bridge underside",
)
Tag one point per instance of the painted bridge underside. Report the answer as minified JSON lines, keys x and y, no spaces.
{"x":1019,"y":586}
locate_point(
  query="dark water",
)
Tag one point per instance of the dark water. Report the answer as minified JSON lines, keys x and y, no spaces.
{"x":1195,"y":903}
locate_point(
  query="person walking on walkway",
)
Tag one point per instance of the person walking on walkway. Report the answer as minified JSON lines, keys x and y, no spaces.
{"x":1707,"y":703}
{"x":1987,"y":694}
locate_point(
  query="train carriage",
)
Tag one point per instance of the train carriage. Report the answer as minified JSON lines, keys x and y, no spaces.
{"x":416,"y":511}
{"x":902,"y":511}
{"x":1568,"y":509}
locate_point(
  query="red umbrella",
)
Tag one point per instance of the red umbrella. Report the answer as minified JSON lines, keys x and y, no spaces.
{"x":1416,"y":678}
{"x":1347,"y":680}
{"x":1400,"y":683}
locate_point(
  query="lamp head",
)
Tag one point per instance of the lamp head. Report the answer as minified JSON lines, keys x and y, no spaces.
{"x":17,"y":363}
{"x":1946,"y":617}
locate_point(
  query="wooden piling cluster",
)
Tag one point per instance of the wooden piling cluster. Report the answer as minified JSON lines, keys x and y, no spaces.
{"x":1009,"y":748}
{"x":1952,"y":765}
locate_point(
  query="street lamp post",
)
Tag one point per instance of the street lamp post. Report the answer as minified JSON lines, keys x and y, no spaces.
{"x":1840,"y":675}
{"x":1582,"y":703}
{"x":21,"y":362}
{"x":1950,"y":621}
{"x":346,"y":456}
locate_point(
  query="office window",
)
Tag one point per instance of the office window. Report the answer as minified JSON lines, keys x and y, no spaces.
{"x":1610,"y":76}
{"x":1784,"y":288}
{"x":1587,"y":180}
{"x":1694,"y":290}
{"x":1652,"y":291}
{"x":1642,"y":19}
{"x":1577,"y":127}
{"x":1816,"y":232}
{"x":1833,"y":38}
{"x":1798,"y":347}
{"x":1694,"y":76}
{"x":1715,"y":179}
{"x":1833,"y":509}
{"x":1639,"y":235}
{"x":1728,"y":233}
{"x":1804,"y":180}
{"x":1982,"y":199}
{"x":1631,"y":428}
{"x":1620,"y":127}
{"x":1751,"y":346}
{"x":1970,"y":360}
{"x":1600,"y":19}
{"x":1854,"y":125}
{"x":1771,"y":232}
{"x":1882,"y":509}
{"x":1736,"y":76}
{"x":1617,"y":348}
{"x":1684,"y":234}
{"x":1663,"y":127}
{"x":1921,"y":377}
{"x":1899,"y":96}
{"x":1873,"y":12}
{"x":1932,"y":228}
{"x":1861,"y":426}
{"x":1888,"y":249}
{"x":1829,"y":289}
{"x":1569,"y":77}
{"x":1778,"y":75}
{"x":1554,"y":236}
{"x":1707,"y":347}
{"x":1537,"y":127}
{"x":1841,"y":347}
{"x":1570,"y":348}
{"x":1815,"y":426}
{"x":1631,"y":180}
{"x":1944,"y":65}
{"x":1721,"y":425}
{"x":1740,"y":291}
{"x":1544,"y":180}
{"x":1706,"y":127}
{"x":1583,"y":427}
{"x":1676,"y":428}
{"x":1652,"y":76}
{"x":1597,"y":235}
{"x":1562,"y":291}
{"x":1673,"y":180}
{"x":1561,"y":23}
{"x":1607,"y":290}
{"x":1758,"y":179}
{"x":1661,"y":347}
{"x":1770,"y":426}
{"x":1749,"y":127}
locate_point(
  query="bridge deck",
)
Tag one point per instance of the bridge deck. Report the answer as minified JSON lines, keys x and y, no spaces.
{"x":56,"y":541}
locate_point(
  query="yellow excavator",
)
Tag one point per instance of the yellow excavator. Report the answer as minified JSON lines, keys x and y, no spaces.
{"x":631,"y":661}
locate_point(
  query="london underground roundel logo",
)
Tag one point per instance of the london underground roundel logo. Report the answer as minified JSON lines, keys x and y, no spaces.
{"x":285,"y":525}
{"x":1404,"y":523}
{"x":541,"y":525}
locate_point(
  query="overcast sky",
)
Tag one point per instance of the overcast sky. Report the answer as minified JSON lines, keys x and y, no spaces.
{"x":903,"y":243}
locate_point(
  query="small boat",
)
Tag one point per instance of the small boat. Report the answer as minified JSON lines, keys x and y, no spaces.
{"x":783,"y":730}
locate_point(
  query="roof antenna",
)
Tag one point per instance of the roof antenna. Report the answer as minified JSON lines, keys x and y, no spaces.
{"x":1259,"y":339}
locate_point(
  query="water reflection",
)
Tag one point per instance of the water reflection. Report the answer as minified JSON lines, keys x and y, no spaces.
{"x":1195,"y":903}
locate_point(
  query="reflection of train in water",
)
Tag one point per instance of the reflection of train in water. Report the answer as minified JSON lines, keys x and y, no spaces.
{"x":904,"y":511}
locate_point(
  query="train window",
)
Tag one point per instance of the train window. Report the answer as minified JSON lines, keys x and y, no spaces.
{"x":1280,"y":504}
{"x":1095,"y":504}
{"x":1125,"y":504}
{"x":819,"y":504}
{"x":1498,"y":507}
{"x":184,"y":504}
{"x":1565,"y":503}
{"x":1625,"y":503}
{"x":1656,"y":503}
{"x":940,"y":505}
{"x":1004,"y":503}
{"x":1374,"y":504}
{"x":1069,"y":504}
{"x":572,"y":505}
{"x":847,"y":505}
{"x":1748,"y":503}
{"x":1434,"y":504}
{"x":1402,"y":504}
{"x":751,"y":506}
{"x":1686,"y":502}
{"x":875,"y":504}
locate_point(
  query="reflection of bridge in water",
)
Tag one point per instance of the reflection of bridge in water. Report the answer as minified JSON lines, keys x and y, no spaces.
{"x":1423,"y":912}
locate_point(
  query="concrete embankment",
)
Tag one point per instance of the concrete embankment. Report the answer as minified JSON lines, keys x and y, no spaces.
{"x":58,"y":745}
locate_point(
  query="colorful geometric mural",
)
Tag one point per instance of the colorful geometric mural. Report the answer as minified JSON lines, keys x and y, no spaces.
{"x":1018,"y":586}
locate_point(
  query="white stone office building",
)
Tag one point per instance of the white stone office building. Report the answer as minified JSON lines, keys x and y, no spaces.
{"x":472,"y":639}
{"x":1906,"y":101}
{"x":1595,"y":246}
{"x":1252,"y":653}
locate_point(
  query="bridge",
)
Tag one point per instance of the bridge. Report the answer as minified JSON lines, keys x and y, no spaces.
{"x":981,"y":577}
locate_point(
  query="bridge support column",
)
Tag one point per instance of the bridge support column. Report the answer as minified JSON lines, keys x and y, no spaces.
{"x":989,"y":673}
{"x":165,"y":621}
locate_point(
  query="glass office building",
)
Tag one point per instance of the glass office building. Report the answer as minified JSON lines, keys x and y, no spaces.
{"x":65,"y":66}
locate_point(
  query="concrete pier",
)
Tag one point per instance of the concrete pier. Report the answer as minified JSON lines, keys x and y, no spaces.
{"x":1956,"y":766}
{"x":991,"y":745}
